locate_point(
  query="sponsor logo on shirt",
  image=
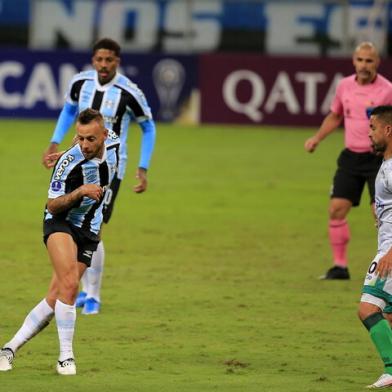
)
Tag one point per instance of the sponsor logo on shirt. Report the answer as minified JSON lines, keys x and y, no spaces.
{"x":65,"y":162}
{"x":91,"y":176}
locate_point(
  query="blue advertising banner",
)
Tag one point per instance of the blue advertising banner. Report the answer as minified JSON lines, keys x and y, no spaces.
{"x":278,"y":27}
{"x":33,"y":83}
{"x":299,"y":27}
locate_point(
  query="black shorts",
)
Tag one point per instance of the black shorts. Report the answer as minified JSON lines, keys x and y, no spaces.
{"x":354,"y":170}
{"x":109,"y":198}
{"x":86,"y":242}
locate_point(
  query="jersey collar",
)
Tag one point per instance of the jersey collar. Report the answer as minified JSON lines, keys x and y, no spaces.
{"x":106,"y":86}
{"x":96,"y":160}
{"x":104,"y":156}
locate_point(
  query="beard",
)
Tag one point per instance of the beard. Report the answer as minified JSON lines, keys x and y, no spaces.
{"x":379,"y":149}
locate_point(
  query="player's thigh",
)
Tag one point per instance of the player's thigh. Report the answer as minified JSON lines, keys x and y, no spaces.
{"x":62,"y":253}
{"x":347,"y":185}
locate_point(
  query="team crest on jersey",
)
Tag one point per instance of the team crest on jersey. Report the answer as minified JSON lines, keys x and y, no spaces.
{"x":85,"y":98}
{"x":109,"y":104}
{"x":64,"y":163}
{"x":56,"y":186}
{"x":110,"y":120}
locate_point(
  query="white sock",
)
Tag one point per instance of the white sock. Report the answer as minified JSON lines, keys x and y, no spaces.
{"x":65,"y":319}
{"x":35,"y":321}
{"x":95,"y":272}
{"x":84,"y":281}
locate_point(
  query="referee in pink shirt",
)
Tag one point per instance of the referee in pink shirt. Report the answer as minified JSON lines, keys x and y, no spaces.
{"x":355,"y":97}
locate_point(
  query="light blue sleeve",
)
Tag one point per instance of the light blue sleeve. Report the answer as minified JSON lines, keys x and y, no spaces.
{"x":148,"y":142}
{"x":64,"y":122}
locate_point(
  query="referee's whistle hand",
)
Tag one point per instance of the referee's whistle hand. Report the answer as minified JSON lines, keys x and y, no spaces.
{"x":311,"y":144}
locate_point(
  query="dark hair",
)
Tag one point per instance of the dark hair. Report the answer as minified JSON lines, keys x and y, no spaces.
{"x":109,"y":44}
{"x":88,"y":115}
{"x":383,"y":112}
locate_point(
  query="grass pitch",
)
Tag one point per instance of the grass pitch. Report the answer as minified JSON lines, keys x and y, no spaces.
{"x":210,"y":277}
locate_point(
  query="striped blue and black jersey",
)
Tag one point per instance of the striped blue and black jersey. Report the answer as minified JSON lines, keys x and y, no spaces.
{"x":120,"y":101}
{"x":73,"y":170}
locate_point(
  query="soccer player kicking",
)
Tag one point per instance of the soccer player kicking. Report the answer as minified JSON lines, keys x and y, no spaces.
{"x":377,"y":290}
{"x":72,"y":222}
{"x":121,"y":102}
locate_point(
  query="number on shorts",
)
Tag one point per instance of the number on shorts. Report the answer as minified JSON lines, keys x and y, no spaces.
{"x":372,"y":267}
{"x":108,"y":197}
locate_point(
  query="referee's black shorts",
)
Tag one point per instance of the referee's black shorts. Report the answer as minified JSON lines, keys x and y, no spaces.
{"x":354,"y":170}
{"x":86,"y":242}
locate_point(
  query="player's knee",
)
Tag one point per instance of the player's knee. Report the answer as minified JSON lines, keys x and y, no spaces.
{"x":337,"y":212}
{"x":52,"y":296}
{"x":339,"y":208}
{"x":72,"y":287}
{"x":69,"y":284}
{"x":367,"y":310}
{"x":361,"y":314}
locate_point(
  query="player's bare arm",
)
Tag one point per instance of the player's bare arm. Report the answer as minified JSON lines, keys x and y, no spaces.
{"x":53,"y":158}
{"x":47,"y":161}
{"x":62,"y":203}
{"x":141,"y":175}
{"x":330,"y":123}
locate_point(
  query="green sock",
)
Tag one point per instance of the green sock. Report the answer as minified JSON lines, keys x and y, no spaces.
{"x":381,"y":334}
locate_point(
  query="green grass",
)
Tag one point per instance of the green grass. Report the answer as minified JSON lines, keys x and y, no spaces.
{"x":210,"y":278}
